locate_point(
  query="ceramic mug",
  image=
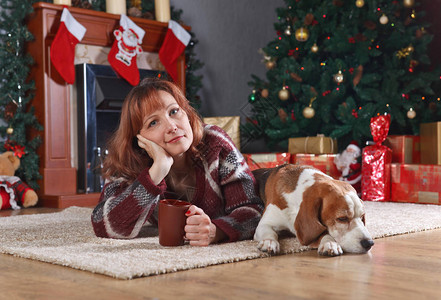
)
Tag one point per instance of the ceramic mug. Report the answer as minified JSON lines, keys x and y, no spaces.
{"x":171,"y":222}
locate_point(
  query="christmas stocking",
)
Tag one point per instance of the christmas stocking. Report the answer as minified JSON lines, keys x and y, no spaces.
{"x":62,"y":50}
{"x":122,"y":56}
{"x":175,"y":41}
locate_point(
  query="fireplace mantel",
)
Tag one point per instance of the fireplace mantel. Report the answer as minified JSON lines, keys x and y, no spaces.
{"x":52,"y":100}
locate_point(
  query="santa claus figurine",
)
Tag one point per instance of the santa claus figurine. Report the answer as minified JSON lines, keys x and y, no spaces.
{"x":349,"y":163}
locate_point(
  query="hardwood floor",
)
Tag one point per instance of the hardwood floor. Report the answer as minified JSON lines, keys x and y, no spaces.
{"x":401,"y":267}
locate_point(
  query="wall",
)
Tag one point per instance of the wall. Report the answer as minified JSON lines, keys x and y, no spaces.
{"x":230,"y":33}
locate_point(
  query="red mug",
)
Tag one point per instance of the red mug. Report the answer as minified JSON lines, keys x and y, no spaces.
{"x":171,"y":222}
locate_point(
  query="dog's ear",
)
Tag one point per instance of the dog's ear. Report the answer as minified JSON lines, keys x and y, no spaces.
{"x":307,"y":224}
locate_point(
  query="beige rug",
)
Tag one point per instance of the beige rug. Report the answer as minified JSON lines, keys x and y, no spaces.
{"x":66,"y":238}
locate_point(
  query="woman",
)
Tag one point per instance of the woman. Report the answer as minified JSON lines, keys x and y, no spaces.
{"x":162,"y":150}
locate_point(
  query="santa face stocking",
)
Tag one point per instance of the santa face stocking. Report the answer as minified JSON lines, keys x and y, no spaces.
{"x":62,"y":50}
{"x":125,"y":48}
{"x":175,"y":41}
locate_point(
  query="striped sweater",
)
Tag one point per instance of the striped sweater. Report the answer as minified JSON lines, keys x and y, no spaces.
{"x":225,"y":190}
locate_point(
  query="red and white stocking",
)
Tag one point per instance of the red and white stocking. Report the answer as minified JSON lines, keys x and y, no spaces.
{"x":62,"y":52}
{"x":125,"y":48}
{"x":175,"y":41}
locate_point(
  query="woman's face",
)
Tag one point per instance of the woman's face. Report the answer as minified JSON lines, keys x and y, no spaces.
{"x":168,"y":126}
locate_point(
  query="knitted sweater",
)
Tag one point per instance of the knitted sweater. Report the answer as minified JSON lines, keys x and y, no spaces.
{"x":225,"y":190}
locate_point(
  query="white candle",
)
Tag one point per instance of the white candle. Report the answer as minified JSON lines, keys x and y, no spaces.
{"x":117,"y":7}
{"x":63,"y":2}
{"x":162,"y":10}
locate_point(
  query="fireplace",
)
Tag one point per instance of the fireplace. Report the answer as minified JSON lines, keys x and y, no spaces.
{"x":53,"y":98}
{"x":100,"y":94}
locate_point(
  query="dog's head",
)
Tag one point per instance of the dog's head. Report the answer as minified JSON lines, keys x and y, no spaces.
{"x":333,"y":207}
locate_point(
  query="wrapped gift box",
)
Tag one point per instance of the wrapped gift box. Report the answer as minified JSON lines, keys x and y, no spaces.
{"x":405,"y":148}
{"x":375,"y":180}
{"x":323,"y":162}
{"x":416,"y":183}
{"x":312,"y":145}
{"x":376,"y":160}
{"x":430,"y":134}
{"x":231,"y":125}
{"x":266,"y":160}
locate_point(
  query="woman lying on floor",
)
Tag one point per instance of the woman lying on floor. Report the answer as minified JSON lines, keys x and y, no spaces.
{"x":162,"y":150}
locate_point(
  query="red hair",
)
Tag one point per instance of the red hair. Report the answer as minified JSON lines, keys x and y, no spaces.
{"x":126,"y":159}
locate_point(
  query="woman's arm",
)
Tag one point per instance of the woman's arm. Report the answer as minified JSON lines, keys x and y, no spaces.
{"x":123,"y":209}
{"x":239,"y":188}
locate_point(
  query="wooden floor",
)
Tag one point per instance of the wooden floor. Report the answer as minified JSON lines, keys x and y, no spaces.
{"x":400,"y":267}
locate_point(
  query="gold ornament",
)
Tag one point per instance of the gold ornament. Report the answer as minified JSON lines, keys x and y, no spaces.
{"x":288,"y":30}
{"x":359,"y":3}
{"x":403,"y":53}
{"x":314,"y":48}
{"x":264,"y":93}
{"x":270,"y":64}
{"x":384,"y":19}
{"x":302,"y":34}
{"x":339,"y":78}
{"x":283,"y":94}
{"x":10,"y":130}
{"x":411,"y":113}
{"x":408,"y":3}
{"x":308,"y":112}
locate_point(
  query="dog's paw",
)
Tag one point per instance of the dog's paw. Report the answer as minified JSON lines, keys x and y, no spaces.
{"x":330,"y":249}
{"x":270,"y":246}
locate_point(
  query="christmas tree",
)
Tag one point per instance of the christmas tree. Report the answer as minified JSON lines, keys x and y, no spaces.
{"x":335,"y":64}
{"x":16,"y":91}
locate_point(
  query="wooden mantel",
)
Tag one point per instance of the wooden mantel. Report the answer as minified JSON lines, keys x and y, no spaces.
{"x":52,"y":100}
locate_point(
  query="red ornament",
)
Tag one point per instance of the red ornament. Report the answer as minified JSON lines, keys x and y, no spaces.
{"x":355,"y":113}
{"x":326,"y":93}
{"x":351,"y":40}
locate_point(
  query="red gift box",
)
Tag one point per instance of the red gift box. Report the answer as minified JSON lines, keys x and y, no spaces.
{"x":322,"y":162}
{"x":416,"y":183}
{"x":405,"y":148}
{"x":266,"y":160}
{"x":376,"y":160}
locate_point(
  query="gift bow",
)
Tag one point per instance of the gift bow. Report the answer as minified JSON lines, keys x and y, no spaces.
{"x":380,"y":128}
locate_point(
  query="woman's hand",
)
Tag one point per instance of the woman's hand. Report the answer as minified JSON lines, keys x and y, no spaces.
{"x":162,"y":161}
{"x":200,"y":231}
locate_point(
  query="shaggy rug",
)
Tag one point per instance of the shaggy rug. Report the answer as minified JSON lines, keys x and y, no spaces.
{"x":66,"y":238}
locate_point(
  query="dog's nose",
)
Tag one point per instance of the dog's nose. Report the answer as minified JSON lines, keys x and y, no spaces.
{"x":367,"y":244}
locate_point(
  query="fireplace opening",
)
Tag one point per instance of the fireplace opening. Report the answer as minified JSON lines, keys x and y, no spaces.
{"x":100,"y":94}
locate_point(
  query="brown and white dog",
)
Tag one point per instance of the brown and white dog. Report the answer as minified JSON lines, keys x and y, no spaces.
{"x":321,"y":211}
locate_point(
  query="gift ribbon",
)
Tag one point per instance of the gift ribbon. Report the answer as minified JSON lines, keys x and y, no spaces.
{"x":380,"y":128}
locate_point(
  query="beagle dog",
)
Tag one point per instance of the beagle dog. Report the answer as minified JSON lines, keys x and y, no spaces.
{"x":322,"y":212}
